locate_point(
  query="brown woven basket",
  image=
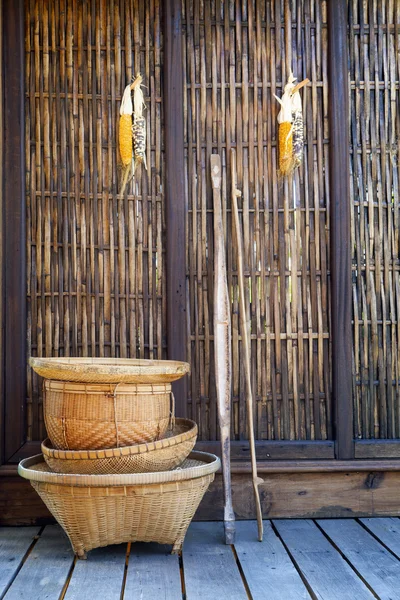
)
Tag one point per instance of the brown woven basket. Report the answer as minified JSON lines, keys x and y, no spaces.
{"x":162,"y":455}
{"x":81,"y":416}
{"x":98,"y":510}
{"x":109,"y":370}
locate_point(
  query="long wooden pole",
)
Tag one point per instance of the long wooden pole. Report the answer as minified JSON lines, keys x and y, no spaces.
{"x":246,"y":348}
{"x":340,"y":226}
{"x":175,"y":196}
{"x":222,"y":347}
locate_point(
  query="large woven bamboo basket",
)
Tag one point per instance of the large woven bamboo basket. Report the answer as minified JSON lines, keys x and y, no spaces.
{"x":81,"y":416}
{"x":162,"y":455}
{"x":109,"y":370}
{"x":98,"y":510}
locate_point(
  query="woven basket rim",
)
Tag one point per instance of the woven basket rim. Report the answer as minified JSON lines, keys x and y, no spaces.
{"x":108,"y":370}
{"x":209,"y":463}
{"x":183,"y":430}
{"x":96,"y":388}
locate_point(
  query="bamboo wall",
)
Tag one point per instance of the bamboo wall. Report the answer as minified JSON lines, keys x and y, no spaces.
{"x":95,"y":277}
{"x":236,"y":56}
{"x":374,"y":43}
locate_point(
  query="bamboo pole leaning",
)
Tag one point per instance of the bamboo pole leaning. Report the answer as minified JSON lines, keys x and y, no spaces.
{"x":246,"y":348}
{"x":222,"y":347}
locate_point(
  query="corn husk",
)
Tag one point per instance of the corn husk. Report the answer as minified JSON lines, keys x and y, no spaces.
{"x":132,"y":131}
{"x":285,"y":134}
{"x":291,"y":128}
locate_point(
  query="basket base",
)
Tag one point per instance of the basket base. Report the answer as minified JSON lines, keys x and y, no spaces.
{"x":176,"y":549}
{"x":159,"y":513}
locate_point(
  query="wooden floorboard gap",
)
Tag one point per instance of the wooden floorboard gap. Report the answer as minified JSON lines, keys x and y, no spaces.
{"x":294,"y":562}
{"x":182,"y":576}
{"x":66,"y":584}
{"x":128,"y":552}
{"x":378,"y":539}
{"x":367,"y":585}
{"x":242,"y":575}
{"x":21,"y":564}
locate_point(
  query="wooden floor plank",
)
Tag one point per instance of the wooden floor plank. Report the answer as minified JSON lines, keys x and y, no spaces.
{"x":45,"y":571}
{"x":267,"y":567}
{"x":14,"y":544}
{"x":209,"y":565}
{"x":386,"y":529}
{"x":379,"y":568}
{"x":100,"y":576}
{"x":327,"y":573}
{"x":153,"y":573}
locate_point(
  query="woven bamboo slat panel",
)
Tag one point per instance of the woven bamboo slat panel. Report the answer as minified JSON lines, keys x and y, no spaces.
{"x":96,"y":284}
{"x":374,"y":48}
{"x":236,"y":55}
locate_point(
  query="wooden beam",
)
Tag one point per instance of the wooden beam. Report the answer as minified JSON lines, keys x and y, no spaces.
{"x":340,"y":228}
{"x":308,"y":496}
{"x":318,"y":466}
{"x":175,"y":197}
{"x":377,"y":449}
{"x":295,"y":494}
{"x":239,"y":467}
{"x":273,"y":450}
{"x":14,"y":234}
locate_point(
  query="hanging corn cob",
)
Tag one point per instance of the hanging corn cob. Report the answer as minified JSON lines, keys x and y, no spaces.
{"x":132,"y":131}
{"x":290,"y":119}
{"x":125,"y":136}
{"x":285,"y":132}
{"x":139,"y":127}
{"x":298,"y":129}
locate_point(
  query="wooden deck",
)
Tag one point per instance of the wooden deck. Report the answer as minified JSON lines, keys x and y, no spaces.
{"x":324,"y":559}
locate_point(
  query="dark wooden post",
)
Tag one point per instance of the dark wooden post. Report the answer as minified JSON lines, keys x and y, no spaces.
{"x":340,"y":228}
{"x":13,"y":230}
{"x":175,"y":199}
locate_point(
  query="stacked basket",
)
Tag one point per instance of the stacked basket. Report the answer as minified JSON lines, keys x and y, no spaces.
{"x":117,"y":465}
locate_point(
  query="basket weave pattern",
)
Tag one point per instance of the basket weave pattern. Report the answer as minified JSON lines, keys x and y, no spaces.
{"x":87,"y":416}
{"x":109,"y":370}
{"x":161,"y":455}
{"x":118,"y":466}
{"x":97,"y":510}
{"x":94,"y":517}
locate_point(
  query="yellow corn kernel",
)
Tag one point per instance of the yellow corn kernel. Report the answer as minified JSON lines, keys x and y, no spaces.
{"x":125,"y":139}
{"x":285,"y":148}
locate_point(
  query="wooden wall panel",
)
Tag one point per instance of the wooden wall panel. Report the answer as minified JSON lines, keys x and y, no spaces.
{"x":236,"y":56}
{"x":374,"y":45}
{"x":95,"y":261}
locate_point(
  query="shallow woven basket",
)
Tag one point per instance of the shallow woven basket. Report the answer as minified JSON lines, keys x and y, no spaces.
{"x":98,"y":510}
{"x":109,"y":370}
{"x":162,"y":455}
{"x":81,"y":416}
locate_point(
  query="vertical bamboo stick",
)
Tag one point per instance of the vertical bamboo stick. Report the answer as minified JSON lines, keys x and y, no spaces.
{"x":222,"y":347}
{"x":246,"y":347}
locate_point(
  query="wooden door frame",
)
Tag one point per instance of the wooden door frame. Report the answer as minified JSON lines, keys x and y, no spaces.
{"x":13,"y":341}
{"x":13,"y":227}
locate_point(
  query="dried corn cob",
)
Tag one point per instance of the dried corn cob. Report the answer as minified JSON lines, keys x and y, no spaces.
{"x":285,"y":147}
{"x":291,"y":129}
{"x":132,"y":131}
{"x":298,"y":128}
{"x":125,"y":127}
{"x":286,"y":128}
{"x":139,"y":127}
{"x":125,"y":137}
